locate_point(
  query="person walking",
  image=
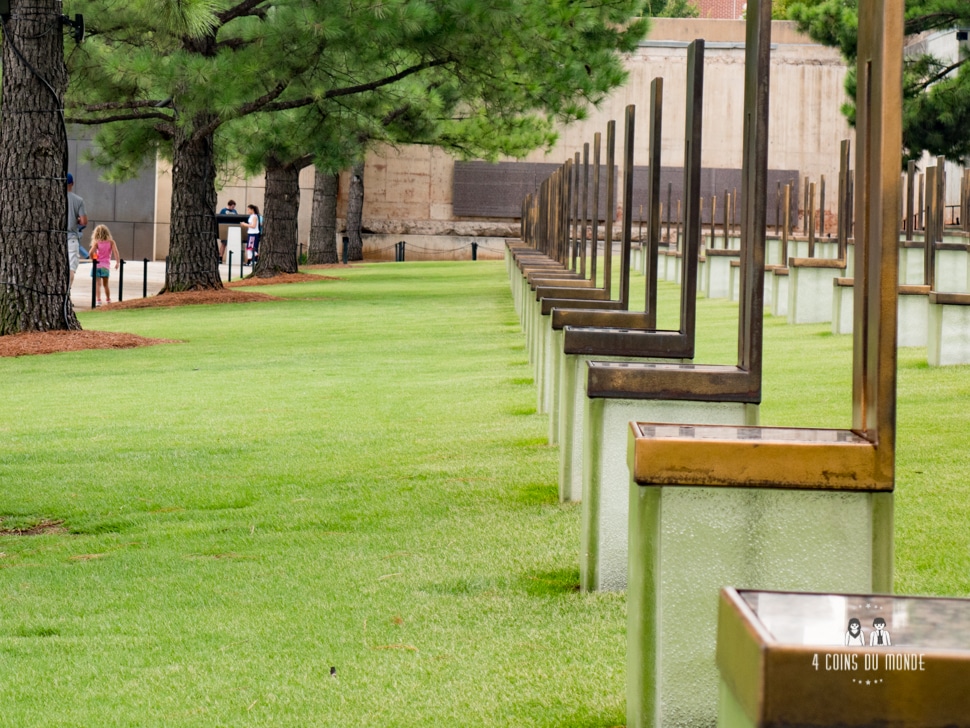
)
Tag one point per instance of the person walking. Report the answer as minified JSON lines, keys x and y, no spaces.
{"x":103,"y":248}
{"x":77,"y":218}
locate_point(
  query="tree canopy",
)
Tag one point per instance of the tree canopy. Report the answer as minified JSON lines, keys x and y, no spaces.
{"x":168,"y":76}
{"x":936,"y":90}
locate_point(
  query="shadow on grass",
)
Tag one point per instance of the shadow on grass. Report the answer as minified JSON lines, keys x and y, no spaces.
{"x":551,"y":583}
{"x":556,"y":583}
{"x":522,"y":410}
{"x":537,"y":494}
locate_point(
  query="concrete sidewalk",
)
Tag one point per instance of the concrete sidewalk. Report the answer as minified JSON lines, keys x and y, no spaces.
{"x":136,"y":281}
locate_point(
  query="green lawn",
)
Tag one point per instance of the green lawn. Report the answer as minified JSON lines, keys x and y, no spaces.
{"x":355,"y":478}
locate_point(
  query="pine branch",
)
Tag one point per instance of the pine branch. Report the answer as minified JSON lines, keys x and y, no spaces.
{"x":301,"y":162}
{"x":359,"y":88}
{"x":142,"y":110}
{"x":260,"y":104}
{"x":127,"y":105}
{"x":139,"y":116}
{"x":930,"y":21}
{"x":926,"y":83}
{"x":243,"y":9}
{"x":396,"y":114}
{"x":233,"y":44}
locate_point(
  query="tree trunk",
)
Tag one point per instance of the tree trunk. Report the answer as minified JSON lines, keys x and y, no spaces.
{"x":323,"y":220}
{"x":193,"y":254}
{"x":277,"y":247}
{"x":34,"y":272}
{"x":355,"y":212}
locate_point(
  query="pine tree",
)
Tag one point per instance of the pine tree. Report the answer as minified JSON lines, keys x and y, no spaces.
{"x":34,"y":274}
{"x":936,"y":91}
{"x":322,"y":248}
{"x":172,"y":83}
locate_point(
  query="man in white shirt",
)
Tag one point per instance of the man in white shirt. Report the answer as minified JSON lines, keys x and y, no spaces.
{"x":879,"y":636}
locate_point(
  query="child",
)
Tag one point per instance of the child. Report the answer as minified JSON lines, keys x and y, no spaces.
{"x":102,"y":250}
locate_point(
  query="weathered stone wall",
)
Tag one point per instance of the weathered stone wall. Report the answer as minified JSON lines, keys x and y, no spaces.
{"x":410,"y":189}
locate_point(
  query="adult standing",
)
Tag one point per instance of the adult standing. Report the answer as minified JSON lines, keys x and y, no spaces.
{"x":77,"y":218}
{"x":252,"y":245}
{"x":229,"y":209}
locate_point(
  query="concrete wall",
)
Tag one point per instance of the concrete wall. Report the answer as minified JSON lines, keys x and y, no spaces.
{"x":409,"y":190}
{"x":127,"y":209}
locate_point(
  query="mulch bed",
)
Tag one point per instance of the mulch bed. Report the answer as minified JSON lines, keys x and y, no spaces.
{"x":191,"y":298}
{"x":51,"y":342}
{"x":283,"y":278}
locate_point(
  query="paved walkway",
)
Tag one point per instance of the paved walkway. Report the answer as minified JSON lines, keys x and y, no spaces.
{"x":136,"y":281}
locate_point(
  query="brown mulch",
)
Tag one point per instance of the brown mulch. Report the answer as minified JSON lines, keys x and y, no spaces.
{"x":51,"y":342}
{"x":283,"y":278}
{"x":191,"y":298}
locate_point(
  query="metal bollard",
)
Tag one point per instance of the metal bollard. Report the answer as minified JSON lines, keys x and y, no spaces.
{"x":94,"y":282}
{"x":474,"y":251}
{"x":230,"y":266}
{"x":121,"y":279}
{"x":144,"y":279}
{"x":346,"y":248}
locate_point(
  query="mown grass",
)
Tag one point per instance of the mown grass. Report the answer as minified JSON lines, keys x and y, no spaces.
{"x":355,"y":478}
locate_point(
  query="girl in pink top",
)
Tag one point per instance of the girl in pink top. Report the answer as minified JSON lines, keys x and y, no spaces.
{"x":103,"y":248}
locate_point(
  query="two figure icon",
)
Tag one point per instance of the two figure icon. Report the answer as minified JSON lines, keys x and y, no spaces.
{"x":879,"y":636}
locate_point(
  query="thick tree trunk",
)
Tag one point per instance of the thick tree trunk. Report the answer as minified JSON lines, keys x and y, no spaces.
{"x":277,"y":247}
{"x":323,"y":220}
{"x":34,"y":271}
{"x":193,"y":255}
{"x":355,"y":212}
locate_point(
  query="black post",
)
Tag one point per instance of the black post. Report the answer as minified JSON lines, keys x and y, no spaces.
{"x":242,"y":262}
{"x":144,"y":279}
{"x":94,"y":282}
{"x":474,"y":251}
{"x":121,"y":279}
{"x":346,"y":245}
{"x":402,"y":250}
{"x":166,"y":271}
{"x":230,"y":266}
